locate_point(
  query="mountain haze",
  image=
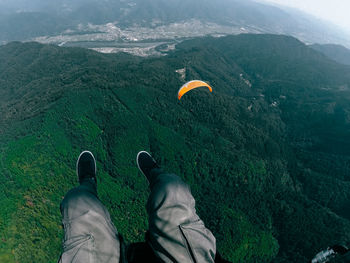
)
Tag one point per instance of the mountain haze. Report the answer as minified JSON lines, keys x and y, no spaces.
{"x":63,"y":21}
{"x":336,"y":52}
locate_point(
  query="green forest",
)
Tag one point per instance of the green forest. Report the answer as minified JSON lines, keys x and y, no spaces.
{"x":267,"y":153}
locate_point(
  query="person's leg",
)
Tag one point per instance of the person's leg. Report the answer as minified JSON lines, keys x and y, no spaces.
{"x":89,"y":234}
{"x":176,"y":233}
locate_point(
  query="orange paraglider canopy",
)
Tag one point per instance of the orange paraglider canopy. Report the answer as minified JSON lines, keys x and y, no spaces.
{"x":192,"y":85}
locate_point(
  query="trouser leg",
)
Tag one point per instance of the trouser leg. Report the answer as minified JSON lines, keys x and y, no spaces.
{"x":176,"y":233}
{"x":89,"y":234}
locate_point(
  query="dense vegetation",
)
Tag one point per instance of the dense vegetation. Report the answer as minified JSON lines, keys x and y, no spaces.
{"x":266,"y":154}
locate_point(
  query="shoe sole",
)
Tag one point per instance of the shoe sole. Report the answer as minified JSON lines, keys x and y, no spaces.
{"x":137,"y":161}
{"x":76,"y":165}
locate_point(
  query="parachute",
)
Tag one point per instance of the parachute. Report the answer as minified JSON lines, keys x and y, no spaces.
{"x":192,"y":85}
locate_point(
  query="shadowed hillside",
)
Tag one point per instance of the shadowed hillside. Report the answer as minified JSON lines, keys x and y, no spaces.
{"x":336,"y":52}
{"x":266,"y":154}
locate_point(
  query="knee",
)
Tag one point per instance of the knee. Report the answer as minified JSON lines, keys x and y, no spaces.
{"x":170,"y":185}
{"x":78,"y":201}
{"x":169,"y":190}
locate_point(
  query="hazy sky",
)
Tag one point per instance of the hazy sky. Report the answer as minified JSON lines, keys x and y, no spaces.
{"x":336,"y":11}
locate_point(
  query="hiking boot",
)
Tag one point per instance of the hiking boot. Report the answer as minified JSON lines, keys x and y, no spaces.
{"x":86,"y":167}
{"x":146,"y":163}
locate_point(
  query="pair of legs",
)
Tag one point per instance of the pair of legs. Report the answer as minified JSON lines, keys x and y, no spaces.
{"x":176,"y":233}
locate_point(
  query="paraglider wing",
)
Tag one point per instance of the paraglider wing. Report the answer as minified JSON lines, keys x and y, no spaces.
{"x":192,"y":85}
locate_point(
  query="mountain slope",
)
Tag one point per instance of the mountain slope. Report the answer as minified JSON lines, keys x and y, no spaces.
{"x":336,"y":52}
{"x":274,"y":126}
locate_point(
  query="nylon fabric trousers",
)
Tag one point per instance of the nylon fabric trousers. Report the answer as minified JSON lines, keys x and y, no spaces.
{"x":89,"y":234}
{"x":176,"y":233}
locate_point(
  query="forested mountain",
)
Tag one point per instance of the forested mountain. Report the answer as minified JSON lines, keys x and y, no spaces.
{"x":336,"y":52}
{"x":267,"y":154}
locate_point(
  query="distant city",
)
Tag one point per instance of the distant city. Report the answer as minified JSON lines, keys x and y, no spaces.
{"x":147,"y":28}
{"x":138,"y":40}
